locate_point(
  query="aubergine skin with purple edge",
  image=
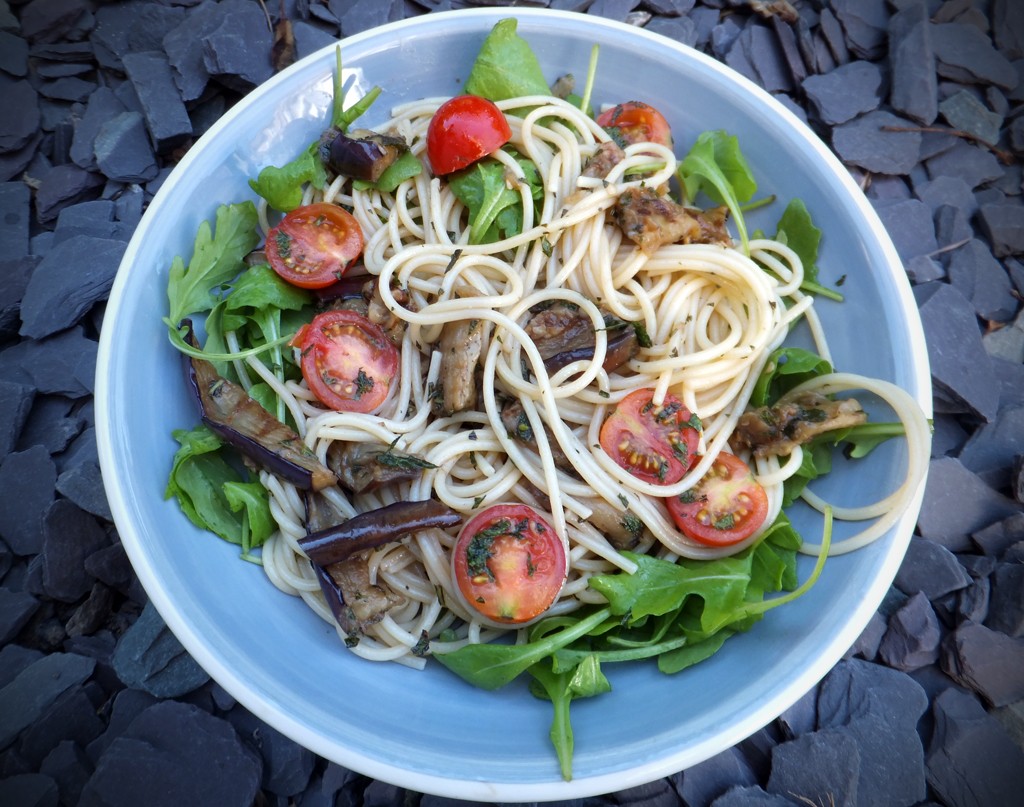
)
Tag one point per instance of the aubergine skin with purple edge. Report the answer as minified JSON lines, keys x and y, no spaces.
{"x":241,"y":422}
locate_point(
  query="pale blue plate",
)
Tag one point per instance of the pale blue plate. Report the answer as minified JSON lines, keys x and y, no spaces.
{"x":427,"y":730}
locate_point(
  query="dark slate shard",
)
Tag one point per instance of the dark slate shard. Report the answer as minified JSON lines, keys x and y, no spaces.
{"x":965,"y":54}
{"x":822,"y":767}
{"x":723,"y":35}
{"x":64,"y":185}
{"x":832,"y":32}
{"x":166,"y":117}
{"x":92,"y":613}
{"x":982,"y":280}
{"x":866,"y":646}
{"x":32,"y":692}
{"x":73,"y":276}
{"x":64,"y":364}
{"x":974,"y":165}
{"x":1003,"y":225}
{"x":111,"y":566}
{"x":1006,"y":606}
{"x":1006,"y":345}
{"x":127,"y":705}
{"x":971,"y":758}
{"x":876,"y":142}
{"x":21,"y":118}
{"x":150,"y":23}
{"x":103,"y":105}
{"x":952,"y":228}
{"x":149,"y":657}
{"x":670,"y":8}
{"x":95,"y":218}
{"x":144,"y":765}
{"x":83,"y":485}
{"x":128,"y":207}
{"x":51,"y":20}
{"x":29,"y":789}
{"x":287,"y":766}
{"x":15,"y":215}
{"x":790,"y":49}
{"x":1008,"y":28}
{"x":362,"y":15}
{"x":70,"y":768}
{"x":52,"y":424}
{"x":993,"y":447}
{"x":184,"y":46}
{"x":848,"y":91}
{"x":237,"y":51}
{"x":946,"y":191}
{"x":13,"y":55}
{"x":914,"y":91}
{"x":14,"y":659}
{"x":309,"y":39}
{"x":114,"y":22}
{"x":704,"y":782}
{"x":70,"y":535}
{"x":801,"y":717}
{"x":911,"y":227}
{"x":912,"y":640}
{"x":62,"y":69}
{"x":14,"y":163}
{"x":123,"y":151}
{"x":27,"y":479}
{"x":972,"y":604}
{"x":964,"y":112}
{"x":754,"y":796}
{"x":70,"y":88}
{"x":961,"y":369}
{"x":995,"y":539}
{"x":930,"y":568}
{"x":765,"y":55}
{"x":865,"y":23}
{"x":71,"y":717}
{"x":680,"y":29}
{"x":15,"y":405}
{"x":950,"y":519}
{"x":16,"y":609}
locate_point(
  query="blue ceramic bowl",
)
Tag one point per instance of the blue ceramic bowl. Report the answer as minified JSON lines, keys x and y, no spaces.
{"x":429,"y":731}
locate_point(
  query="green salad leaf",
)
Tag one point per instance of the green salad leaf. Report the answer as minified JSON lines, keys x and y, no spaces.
{"x":282,"y":185}
{"x":405,"y":167}
{"x":506,"y":66}
{"x":786,"y":368}
{"x":495,"y":209}
{"x":716,"y":166}
{"x":797,"y":231}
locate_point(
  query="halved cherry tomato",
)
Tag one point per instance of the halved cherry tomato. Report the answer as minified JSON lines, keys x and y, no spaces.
{"x":654,"y":443}
{"x":636,"y":122}
{"x":347,"y":360}
{"x":509,"y":563}
{"x":725,"y":507}
{"x":313,"y":245}
{"x":463,"y":130}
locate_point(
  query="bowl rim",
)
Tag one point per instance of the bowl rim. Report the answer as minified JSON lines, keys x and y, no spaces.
{"x":473,"y":789}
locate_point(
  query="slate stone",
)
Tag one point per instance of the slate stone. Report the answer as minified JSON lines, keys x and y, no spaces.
{"x":15,"y":215}
{"x":704,"y":782}
{"x":166,"y":117}
{"x":123,"y":151}
{"x":801,"y":717}
{"x":864,"y":143}
{"x":92,"y":613}
{"x":848,"y":91}
{"x":1006,"y":611}
{"x":127,"y":705}
{"x":964,"y":112}
{"x":149,"y":657}
{"x":965,"y":54}
{"x":71,"y":717}
{"x":72,"y":277}
{"x":51,"y":424}
{"x":866,"y":646}
{"x":953,"y":230}
{"x":670,"y":8}
{"x":912,"y":640}
{"x":822,"y":767}
{"x":765,"y":55}
{"x":50,"y":20}
{"x":22,"y":117}
{"x":70,"y":88}
{"x":102,"y":106}
{"x":29,"y":789}
{"x":309,"y":39}
{"x":750,"y":797}
{"x":184,"y":47}
{"x":62,"y":186}
{"x":911,"y":227}
{"x":70,"y":535}
{"x":362,"y":15}
{"x":287,"y":766}
{"x":15,"y":405}
{"x":237,"y":51}
{"x":70,"y":768}
{"x":35,"y":688}
{"x":831,"y":31}
{"x":949,"y":520}
{"x":13,"y":55}
{"x":971,"y":759}
{"x":961,"y":369}
{"x":981,"y":279}
{"x":999,"y":536}
{"x":1003,"y":225}
{"x":993,"y":447}
{"x":930,"y":568}
{"x":914,"y":90}
{"x":144,"y":765}
{"x":83,"y":485}
{"x":110,"y":566}
{"x":976,"y":166}
{"x":64,"y":364}
{"x":16,"y":609}
{"x":865,"y":23}
{"x":27,"y":479}
{"x":986,"y":661}
{"x":95,"y":218}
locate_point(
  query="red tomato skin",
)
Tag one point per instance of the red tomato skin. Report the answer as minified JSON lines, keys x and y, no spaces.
{"x":514,"y":577}
{"x":463,"y":130}
{"x":348,"y":361}
{"x":636,"y":122}
{"x":718,"y":495}
{"x":313,"y":246}
{"x":663,"y":440}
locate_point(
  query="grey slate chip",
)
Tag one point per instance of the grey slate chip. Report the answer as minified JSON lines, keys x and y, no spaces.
{"x":981,"y":279}
{"x":103,"y":105}
{"x":63,"y":364}
{"x":165,"y":113}
{"x":16,"y":609}
{"x":790,"y":49}
{"x":703,"y":782}
{"x":912,"y":640}
{"x":931,"y":569}
{"x":144,"y":765}
{"x":83,"y":484}
{"x":961,"y":369}
{"x":72,"y":717}
{"x":973,"y":164}
{"x":13,"y":55}
{"x":70,"y":88}
{"x":29,"y":790}
{"x":287,"y":766}
{"x":184,"y":46}
{"x":910,"y":226}
{"x":237,"y":51}
{"x":998,"y":537}
{"x":73,"y":276}
{"x":848,"y":91}
{"x":765,"y":55}
{"x":965,"y":54}
{"x":952,"y":228}
{"x":822,"y":766}
{"x":52,"y":424}
{"x":70,"y":535}
{"x":1006,"y":606}
{"x":362,"y":15}
{"x":21,"y":118}
{"x":51,"y":20}
{"x":750,"y":797}
{"x":963,"y":111}
{"x":35,"y":688}
{"x":946,"y":190}
{"x":1003,"y":225}
{"x":62,"y":186}
{"x":309,"y":39}
{"x":15,"y":215}
{"x":15,"y":405}
{"x":950,"y":520}
{"x":832,"y":32}
{"x":681,"y":29}
{"x":123,"y":151}
{"x":150,"y":658}
{"x":914,"y":91}
{"x":862,"y":142}
{"x":27,"y":479}
{"x":69,"y":767}
{"x":95,"y":218}
{"x":865,"y":23}
{"x":991,"y":450}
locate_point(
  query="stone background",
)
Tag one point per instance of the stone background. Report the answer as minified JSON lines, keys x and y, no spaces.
{"x":921,"y":99}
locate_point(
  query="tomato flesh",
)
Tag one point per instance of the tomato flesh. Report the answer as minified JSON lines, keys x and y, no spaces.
{"x":312,"y":246}
{"x":654,"y":443}
{"x":348,"y":361}
{"x":725,"y":507}
{"x":636,"y":122}
{"x":509,"y":564}
{"x":463,"y":130}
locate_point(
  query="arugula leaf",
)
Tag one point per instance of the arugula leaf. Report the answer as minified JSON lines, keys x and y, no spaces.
{"x":217,"y":256}
{"x":405,"y":167}
{"x":786,"y":368}
{"x":679,"y":659}
{"x":796,"y":230}
{"x":716,"y":166}
{"x":495,"y":209}
{"x":506,"y":66}
{"x":260,"y":288}
{"x":282,"y":185}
